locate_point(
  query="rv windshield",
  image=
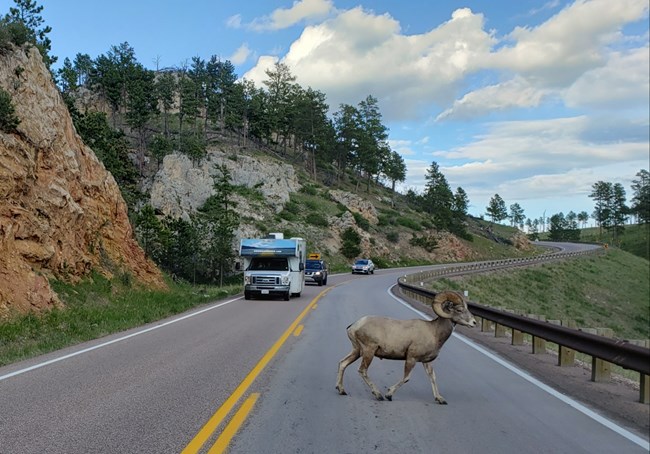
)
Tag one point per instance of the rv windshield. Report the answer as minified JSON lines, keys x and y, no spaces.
{"x":269,"y":264}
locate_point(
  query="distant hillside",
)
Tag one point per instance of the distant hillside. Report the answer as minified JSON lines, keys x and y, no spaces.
{"x":635,"y":239}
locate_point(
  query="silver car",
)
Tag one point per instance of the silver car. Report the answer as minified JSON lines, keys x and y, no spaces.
{"x":363,"y":266}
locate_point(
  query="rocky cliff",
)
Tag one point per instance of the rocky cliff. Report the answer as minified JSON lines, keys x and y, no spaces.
{"x":61,"y":212}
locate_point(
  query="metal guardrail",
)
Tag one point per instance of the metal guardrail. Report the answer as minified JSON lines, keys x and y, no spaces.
{"x":619,"y":352}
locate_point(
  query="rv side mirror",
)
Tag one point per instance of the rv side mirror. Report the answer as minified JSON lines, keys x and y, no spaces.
{"x":301,"y":267}
{"x":237,"y":266}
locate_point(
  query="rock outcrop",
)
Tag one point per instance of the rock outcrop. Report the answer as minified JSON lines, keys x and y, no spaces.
{"x":356,"y":204}
{"x":180,"y":187}
{"x":61,"y":212}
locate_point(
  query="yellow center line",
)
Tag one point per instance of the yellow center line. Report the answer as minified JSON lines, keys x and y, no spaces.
{"x":298,"y":330}
{"x":233,"y":426}
{"x":208,"y":429}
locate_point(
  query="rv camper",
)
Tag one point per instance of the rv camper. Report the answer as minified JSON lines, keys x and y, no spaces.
{"x":273,"y":266}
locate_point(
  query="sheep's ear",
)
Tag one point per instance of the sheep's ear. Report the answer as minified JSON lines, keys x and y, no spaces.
{"x":448,"y":306}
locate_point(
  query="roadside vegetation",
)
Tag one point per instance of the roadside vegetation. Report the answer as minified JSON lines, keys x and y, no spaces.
{"x":97,"y":307}
{"x":608,"y":290}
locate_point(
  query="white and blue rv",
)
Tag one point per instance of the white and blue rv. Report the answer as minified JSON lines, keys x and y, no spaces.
{"x":273,"y":266}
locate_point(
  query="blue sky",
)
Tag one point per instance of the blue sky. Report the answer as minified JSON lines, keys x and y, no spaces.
{"x":532,"y":100}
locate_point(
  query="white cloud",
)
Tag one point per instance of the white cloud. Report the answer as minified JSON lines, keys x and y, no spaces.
{"x":234,"y":21}
{"x":357,"y":53}
{"x":515,"y":93}
{"x":534,"y":160}
{"x":622,"y":82}
{"x":240,"y":55}
{"x":559,"y":50}
{"x":286,"y":17}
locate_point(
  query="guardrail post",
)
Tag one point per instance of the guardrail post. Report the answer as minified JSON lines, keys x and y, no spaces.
{"x":644,"y":395}
{"x":486,"y":325}
{"x":601,"y":370}
{"x":539,"y":344}
{"x":500,"y":330}
{"x":566,"y":356}
{"x":517,"y":337}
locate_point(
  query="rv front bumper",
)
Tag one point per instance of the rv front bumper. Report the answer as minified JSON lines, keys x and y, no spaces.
{"x":270,"y":290}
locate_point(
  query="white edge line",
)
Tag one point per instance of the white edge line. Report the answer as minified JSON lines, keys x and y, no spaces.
{"x":567,"y":400}
{"x":104,"y":344}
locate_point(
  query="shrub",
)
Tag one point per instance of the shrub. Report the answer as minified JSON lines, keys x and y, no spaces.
{"x":361,"y":221}
{"x":427,"y":243}
{"x":309,"y":189}
{"x":311,"y":205}
{"x":287,"y":215}
{"x":12,"y":33}
{"x":351,"y":240}
{"x":408,"y":222}
{"x":392,"y":236}
{"x":317,"y":219}
{"x":385,"y":220}
{"x":292,"y":207}
{"x":8,"y":119}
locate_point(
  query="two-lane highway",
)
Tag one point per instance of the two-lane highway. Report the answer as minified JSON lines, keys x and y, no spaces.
{"x":188,"y":383}
{"x":493,"y":406}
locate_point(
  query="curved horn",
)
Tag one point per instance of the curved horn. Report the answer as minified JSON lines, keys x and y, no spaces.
{"x":442,"y":297}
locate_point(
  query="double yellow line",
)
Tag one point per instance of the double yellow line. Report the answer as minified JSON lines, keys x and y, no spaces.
{"x":224,"y":439}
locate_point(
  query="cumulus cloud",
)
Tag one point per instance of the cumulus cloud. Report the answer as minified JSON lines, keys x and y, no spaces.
{"x":240,"y":55}
{"x":357,"y":53}
{"x":515,"y":93}
{"x":559,"y":50}
{"x":526,"y":160}
{"x":622,"y":82}
{"x":286,"y":17}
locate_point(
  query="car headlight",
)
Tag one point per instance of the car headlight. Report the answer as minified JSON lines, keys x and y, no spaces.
{"x":317,"y":273}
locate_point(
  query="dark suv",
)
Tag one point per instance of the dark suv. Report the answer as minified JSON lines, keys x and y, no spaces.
{"x":316,"y":271}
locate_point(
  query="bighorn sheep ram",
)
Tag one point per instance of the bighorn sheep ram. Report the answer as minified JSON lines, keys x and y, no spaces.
{"x":410,"y":340}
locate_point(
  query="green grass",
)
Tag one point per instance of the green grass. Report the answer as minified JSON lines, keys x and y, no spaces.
{"x":634,"y":239}
{"x":611,"y":290}
{"x":95,"y":308}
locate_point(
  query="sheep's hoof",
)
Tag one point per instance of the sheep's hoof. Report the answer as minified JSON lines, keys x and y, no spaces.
{"x":441,"y":401}
{"x":389,"y":397}
{"x":341,"y":391}
{"x":379,"y":397}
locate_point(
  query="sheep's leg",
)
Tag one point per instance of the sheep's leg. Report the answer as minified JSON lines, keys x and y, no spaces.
{"x":408,"y":368}
{"x":432,"y":376}
{"x":345,"y":362}
{"x":363,"y":371}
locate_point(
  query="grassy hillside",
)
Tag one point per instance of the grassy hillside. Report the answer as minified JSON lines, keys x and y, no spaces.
{"x":611,"y":290}
{"x":634,"y":239}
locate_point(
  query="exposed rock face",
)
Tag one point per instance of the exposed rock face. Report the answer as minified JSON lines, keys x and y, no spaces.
{"x":61,"y":212}
{"x":521,"y":242}
{"x":180,"y":188}
{"x":356,"y":204}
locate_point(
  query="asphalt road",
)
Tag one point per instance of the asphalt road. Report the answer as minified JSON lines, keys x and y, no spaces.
{"x":188,"y":382}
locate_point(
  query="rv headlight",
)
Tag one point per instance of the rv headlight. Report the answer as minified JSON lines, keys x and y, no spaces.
{"x":285,"y":280}
{"x":247,"y":280}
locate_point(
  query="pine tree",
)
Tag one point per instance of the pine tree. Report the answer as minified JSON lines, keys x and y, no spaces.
{"x":8,"y":119}
{"x":641,"y":197}
{"x":438,"y":198}
{"x":220,"y":221}
{"x":496,"y":209}
{"x":27,"y":12}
